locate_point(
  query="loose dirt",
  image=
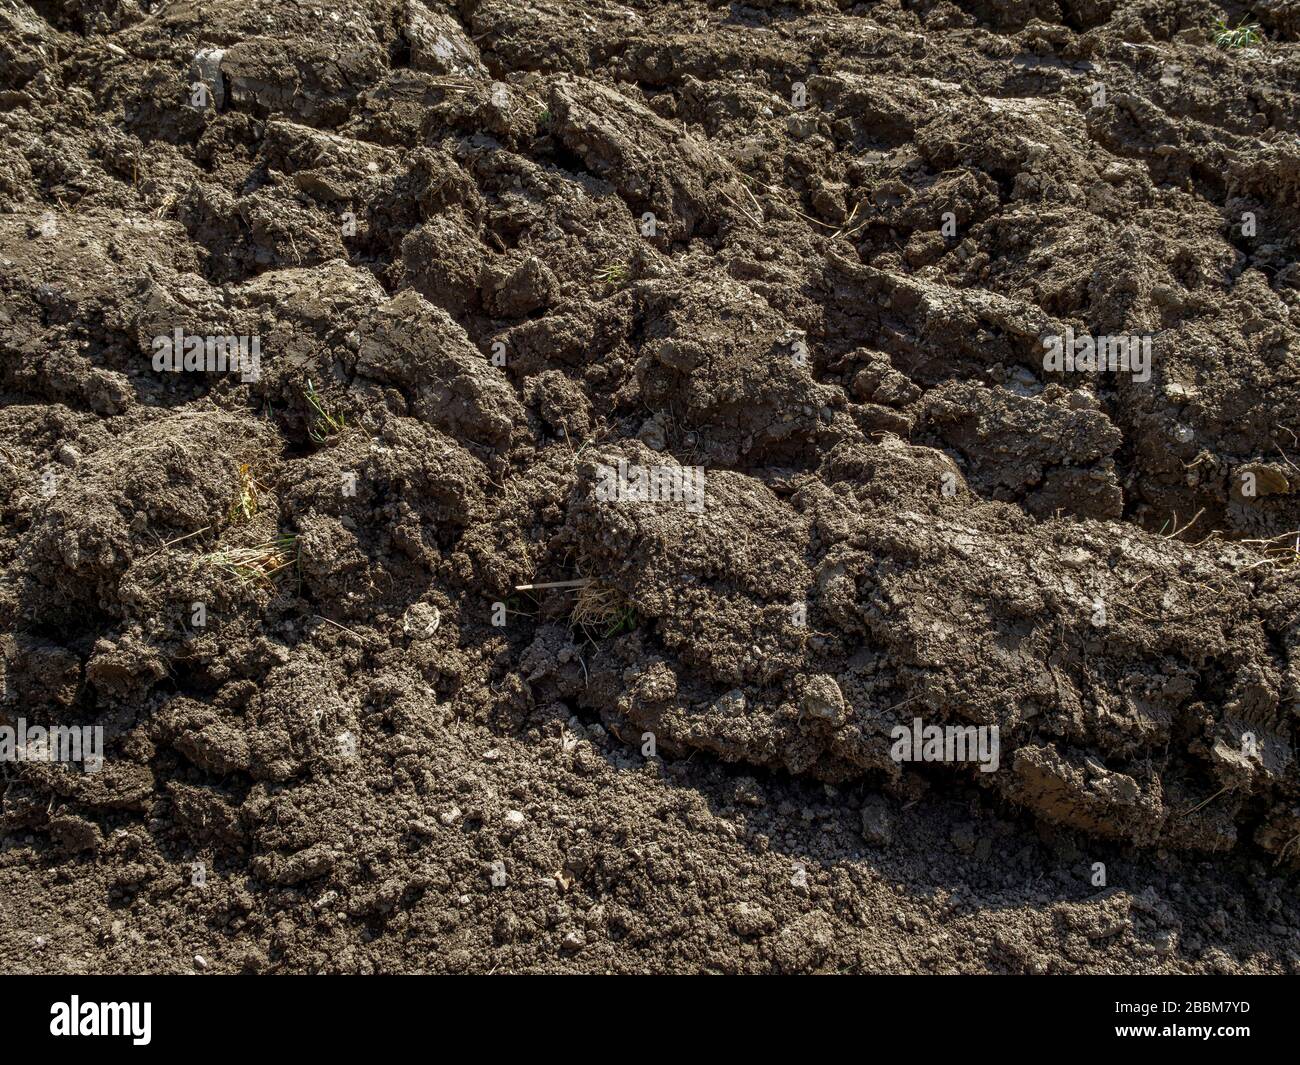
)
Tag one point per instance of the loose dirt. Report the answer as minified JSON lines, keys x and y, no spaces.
{"x":387,"y":680}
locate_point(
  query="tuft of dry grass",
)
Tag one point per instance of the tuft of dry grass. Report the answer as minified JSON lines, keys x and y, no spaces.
{"x":248,"y":499}
{"x":615,"y":275}
{"x":603,"y":611}
{"x":327,"y":423}
{"x":258,"y":564}
{"x":1280,"y":552}
{"x":599,"y":609}
{"x":1243,"y":35}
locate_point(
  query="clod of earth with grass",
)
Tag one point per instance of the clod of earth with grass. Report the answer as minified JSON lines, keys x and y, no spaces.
{"x":615,"y":275}
{"x":326,"y":423}
{"x":1243,"y":35}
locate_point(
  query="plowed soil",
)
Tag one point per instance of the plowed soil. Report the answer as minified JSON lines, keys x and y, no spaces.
{"x":488,"y":251}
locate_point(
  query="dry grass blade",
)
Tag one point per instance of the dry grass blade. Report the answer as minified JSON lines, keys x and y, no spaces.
{"x":327,"y":423}
{"x":580,"y":582}
{"x":177,"y":540}
{"x":603,"y":611}
{"x":259,"y":564}
{"x":1280,"y":552}
{"x":615,"y":275}
{"x":248,"y":501}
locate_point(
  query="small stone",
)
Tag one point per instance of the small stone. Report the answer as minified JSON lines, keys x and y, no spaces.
{"x":574,"y":942}
{"x":963,"y":838}
{"x":747,"y":792}
{"x":450,"y":815}
{"x":730,"y":704}
{"x":822,"y":699}
{"x":47,"y":226}
{"x":652,"y":434}
{"x":800,"y":127}
{"x":421,"y":620}
{"x":200,"y":962}
{"x":877,"y":824}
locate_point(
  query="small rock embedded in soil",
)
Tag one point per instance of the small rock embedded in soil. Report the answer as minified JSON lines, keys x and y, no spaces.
{"x":964,"y":838}
{"x":877,"y":823}
{"x":421,"y":620}
{"x":823,"y":700}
